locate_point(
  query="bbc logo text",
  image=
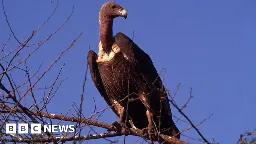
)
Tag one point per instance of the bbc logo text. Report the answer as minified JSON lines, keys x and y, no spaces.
{"x":36,"y":128}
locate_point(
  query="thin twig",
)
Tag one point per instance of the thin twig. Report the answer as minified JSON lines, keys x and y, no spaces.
{"x":6,"y":19}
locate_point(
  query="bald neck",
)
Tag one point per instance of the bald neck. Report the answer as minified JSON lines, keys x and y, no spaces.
{"x":106,"y":33}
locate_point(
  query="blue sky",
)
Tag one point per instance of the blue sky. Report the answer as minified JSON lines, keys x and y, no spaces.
{"x":206,"y":45}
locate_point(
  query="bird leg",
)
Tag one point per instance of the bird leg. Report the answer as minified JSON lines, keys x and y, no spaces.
{"x":122,"y":118}
{"x":150,"y":125}
{"x":144,"y":99}
{"x":121,"y":122}
{"x":132,"y":124}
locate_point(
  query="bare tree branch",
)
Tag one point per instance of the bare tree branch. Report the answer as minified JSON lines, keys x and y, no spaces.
{"x":186,"y":117}
{"x":6,"y":19}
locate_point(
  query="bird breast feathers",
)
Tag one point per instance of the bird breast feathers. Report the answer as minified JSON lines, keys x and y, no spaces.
{"x":104,"y":57}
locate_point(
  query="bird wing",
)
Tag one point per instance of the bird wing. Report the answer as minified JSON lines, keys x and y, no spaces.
{"x":149,"y":77}
{"x":140,"y":60}
{"x":96,"y":78}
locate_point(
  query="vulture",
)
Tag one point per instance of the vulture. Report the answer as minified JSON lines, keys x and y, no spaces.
{"x":127,"y":79}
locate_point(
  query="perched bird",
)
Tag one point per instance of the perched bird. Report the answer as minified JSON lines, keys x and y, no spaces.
{"x":127,"y":79}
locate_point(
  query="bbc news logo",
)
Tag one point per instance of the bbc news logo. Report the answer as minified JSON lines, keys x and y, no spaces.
{"x":36,"y":128}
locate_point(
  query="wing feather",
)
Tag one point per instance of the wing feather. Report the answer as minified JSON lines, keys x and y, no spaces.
{"x":96,"y":78}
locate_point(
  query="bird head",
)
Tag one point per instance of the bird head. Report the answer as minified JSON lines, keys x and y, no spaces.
{"x":112,"y":10}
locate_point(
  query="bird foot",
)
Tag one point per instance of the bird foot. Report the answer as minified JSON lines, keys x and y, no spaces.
{"x":117,"y":126}
{"x":146,"y":132}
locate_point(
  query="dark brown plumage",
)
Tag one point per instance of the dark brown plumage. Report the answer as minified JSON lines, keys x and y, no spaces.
{"x":127,"y":79}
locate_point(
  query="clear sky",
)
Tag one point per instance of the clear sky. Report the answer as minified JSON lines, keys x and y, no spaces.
{"x":207,"y":45}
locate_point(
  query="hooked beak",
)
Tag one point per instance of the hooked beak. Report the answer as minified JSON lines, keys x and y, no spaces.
{"x":123,"y":13}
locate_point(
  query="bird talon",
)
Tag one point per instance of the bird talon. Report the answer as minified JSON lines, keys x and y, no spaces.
{"x":145,"y":132}
{"x":117,"y":126}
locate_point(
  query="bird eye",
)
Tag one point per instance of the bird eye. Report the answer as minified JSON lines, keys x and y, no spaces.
{"x":113,"y":6}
